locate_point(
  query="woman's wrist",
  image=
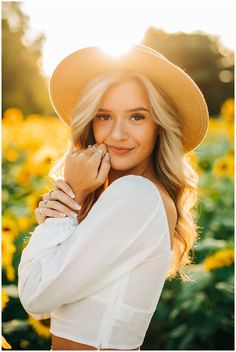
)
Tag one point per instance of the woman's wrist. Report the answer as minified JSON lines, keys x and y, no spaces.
{"x":79,"y":197}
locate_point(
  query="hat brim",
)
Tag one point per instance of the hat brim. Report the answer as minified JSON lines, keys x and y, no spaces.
{"x":79,"y":68}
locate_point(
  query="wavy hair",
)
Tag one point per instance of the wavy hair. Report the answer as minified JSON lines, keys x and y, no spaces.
{"x":172,"y":166}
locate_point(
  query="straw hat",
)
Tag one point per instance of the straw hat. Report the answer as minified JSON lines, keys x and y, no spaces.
{"x":76,"y":70}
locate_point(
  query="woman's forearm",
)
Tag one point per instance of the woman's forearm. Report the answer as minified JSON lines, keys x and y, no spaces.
{"x":79,"y":197}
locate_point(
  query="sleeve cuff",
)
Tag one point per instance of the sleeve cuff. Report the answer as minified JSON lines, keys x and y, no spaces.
{"x":48,"y":235}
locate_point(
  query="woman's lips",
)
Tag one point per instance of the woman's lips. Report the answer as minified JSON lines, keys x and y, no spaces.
{"x":119,"y":151}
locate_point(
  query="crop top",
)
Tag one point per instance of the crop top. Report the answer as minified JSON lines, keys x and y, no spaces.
{"x":100,"y":280}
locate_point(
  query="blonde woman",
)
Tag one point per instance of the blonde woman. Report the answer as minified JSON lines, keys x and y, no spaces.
{"x":120,"y":219}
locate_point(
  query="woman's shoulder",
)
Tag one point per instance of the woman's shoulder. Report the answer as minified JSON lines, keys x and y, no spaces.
{"x":130,"y":191}
{"x":138,"y":190}
{"x":132,"y":185}
{"x":139,"y":183}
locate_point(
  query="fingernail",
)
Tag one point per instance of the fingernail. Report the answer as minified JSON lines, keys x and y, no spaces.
{"x":71,"y":194}
{"x":77,"y":206}
{"x":107,"y":156}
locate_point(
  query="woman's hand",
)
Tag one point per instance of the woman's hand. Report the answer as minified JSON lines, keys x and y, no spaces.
{"x":63,"y":203}
{"x":86,"y":170}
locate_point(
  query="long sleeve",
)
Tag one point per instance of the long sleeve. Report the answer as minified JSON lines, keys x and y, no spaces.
{"x":65,"y":261}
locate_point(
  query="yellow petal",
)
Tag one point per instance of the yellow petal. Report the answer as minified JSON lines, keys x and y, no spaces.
{"x":5,"y":344}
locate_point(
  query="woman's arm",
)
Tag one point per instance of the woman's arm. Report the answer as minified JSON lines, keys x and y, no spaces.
{"x":63,"y":203}
{"x":85,"y":170}
{"x":65,"y":261}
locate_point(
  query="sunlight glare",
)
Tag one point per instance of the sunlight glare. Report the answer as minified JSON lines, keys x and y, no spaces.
{"x":116,"y":25}
{"x":116,"y":49}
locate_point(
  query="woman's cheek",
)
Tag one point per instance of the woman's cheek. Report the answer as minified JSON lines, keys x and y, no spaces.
{"x":100,"y":132}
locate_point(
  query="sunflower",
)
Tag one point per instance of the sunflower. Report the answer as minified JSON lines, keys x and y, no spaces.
{"x":204,"y":165}
{"x":8,"y":249}
{"x":227,"y":110}
{"x":230,"y":130}
{"x":11,"y":155}
{"x":22,"y":174}
{"x":214,"y":124}
{"x":33,"y":201}
{"x":24,"y":222}
{"x":9,"y":138}
{"x":5,"y":344}
{"x":5,"y":299}
{"x":41,"y":327}
{"x":219,"y":259}
{"x":9,"y":224}
{"x":42,"y":159}
{"x":224,"y":166}
{"x":13,"y":116}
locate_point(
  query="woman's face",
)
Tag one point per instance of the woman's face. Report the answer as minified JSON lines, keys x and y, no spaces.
{"x":124,"y":121}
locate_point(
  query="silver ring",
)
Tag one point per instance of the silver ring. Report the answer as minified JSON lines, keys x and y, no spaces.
{"x":49,"y":195}
{"x":46,"y":202}
{"x":99,"y":151}
{"x":40,"y":211}
{"x":94,"y":148}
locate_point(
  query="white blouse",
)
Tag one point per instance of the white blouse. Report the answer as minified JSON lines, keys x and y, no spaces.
{"x":100,"y":280}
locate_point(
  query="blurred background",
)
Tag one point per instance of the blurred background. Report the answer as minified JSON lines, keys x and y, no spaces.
{"x":197,"y":36}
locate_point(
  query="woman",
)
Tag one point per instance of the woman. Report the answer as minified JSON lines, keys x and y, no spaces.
{"x":97,"y":262}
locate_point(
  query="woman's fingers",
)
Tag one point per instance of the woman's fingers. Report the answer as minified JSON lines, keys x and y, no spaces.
{"x":98,"y":154}
{"x":65,"y":187}
{"x":82,"y":168}
{"x":40,"y":217}
{"x":104,"y":168}
{"x":58,"y":206}
{"x":42,"y":213}
{"x":62,"y":197}
{"x":95,"y":161}
{"x":61,"y":205}
{"x":85,"y":152}
{"x":92,"y":152}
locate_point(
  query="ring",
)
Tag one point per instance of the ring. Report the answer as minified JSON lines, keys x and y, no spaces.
{"x":49,"y":195}
{"x":99,"y":151}
{"x":46,"y":202}
{"x":40,"y":211}
{"x":94,"y":148}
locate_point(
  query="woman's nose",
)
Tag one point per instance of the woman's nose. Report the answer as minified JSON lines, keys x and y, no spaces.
{"x":119,"y":131}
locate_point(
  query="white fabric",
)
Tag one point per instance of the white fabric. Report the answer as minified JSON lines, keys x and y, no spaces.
{"x":100,"y":280}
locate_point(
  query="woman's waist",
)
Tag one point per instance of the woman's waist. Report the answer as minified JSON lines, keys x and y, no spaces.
{"x":60,"y":343}
{"x":107,"y":327}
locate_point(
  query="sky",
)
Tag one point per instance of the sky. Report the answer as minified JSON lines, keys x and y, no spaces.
{"x":114,"y":25}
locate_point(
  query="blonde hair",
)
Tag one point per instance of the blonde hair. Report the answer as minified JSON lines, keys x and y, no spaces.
{"x":172,"y":166}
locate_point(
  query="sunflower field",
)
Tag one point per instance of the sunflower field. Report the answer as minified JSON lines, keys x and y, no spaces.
{"x":190,"y":315}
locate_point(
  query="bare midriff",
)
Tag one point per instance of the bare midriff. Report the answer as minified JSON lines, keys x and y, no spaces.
{"x":59,"y":343}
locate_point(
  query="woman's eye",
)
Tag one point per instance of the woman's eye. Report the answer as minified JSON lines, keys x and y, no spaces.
{"x":138,"y":117}
{"x":102,"y":117}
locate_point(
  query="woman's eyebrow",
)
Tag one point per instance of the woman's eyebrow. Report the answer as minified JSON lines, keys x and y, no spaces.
{"x":130,"y":110}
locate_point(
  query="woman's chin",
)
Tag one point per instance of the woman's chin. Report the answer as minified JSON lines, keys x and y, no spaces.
{"x":120,"y":166}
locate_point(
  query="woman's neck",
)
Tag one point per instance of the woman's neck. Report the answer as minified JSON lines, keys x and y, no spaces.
{"x":145,"y":170}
